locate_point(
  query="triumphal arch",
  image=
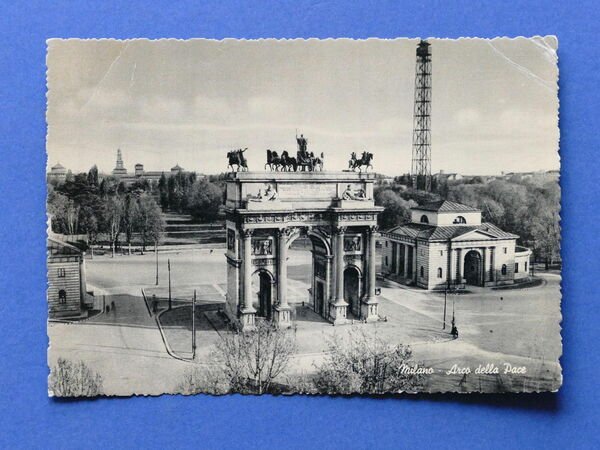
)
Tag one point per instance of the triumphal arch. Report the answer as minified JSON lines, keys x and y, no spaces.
{"x":267,"y":211}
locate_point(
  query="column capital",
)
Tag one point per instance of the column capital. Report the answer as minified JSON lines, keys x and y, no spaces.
{"x":247,"y":232}
{"x":372,"y":229}
{"x":284,"y":232}
{"x":339,"y":229}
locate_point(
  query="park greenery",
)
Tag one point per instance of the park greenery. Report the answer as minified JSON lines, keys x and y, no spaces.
{"x":527,"y":207}
{"x":111,"y":212}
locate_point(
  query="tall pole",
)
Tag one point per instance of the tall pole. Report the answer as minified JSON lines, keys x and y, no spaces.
{"x":194,"y":326}
{"x":169,"y":269}
{"x":156,"y":255}
{"x":445,"y":299}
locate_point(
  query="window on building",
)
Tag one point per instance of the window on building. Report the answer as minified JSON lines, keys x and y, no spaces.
{"x":503,"y":269}
{"x":505,"y":250}
{"x":61,"y":272}
{"x":386,"y":244}
{"x":441,"y":252}
{"x":422,"y":272}
{"x":460,"y":219}
{"x":440,"y":272}
{"x":62,"y":296}
{"x":525,"y":266}
{"x":424,"y":219}
{"x":386,"y":261}
{"x":516,"y":267}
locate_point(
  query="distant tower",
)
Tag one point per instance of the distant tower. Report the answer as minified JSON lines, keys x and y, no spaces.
{"x":421,"y":156}
{"x":119,"y":169}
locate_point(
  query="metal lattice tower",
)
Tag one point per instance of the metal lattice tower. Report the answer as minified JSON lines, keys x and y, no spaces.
{"x":421,"y":156}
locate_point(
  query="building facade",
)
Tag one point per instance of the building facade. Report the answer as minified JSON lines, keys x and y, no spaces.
{"x":445,"y":245}
{"x":58,"y":173}
{"x":66,"y":280}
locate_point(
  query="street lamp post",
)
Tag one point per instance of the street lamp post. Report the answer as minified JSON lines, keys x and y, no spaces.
{"x":156,"y":255}
{"x":194,"y":326}
{"x":445,"y":300}
{"x":169,"y":270}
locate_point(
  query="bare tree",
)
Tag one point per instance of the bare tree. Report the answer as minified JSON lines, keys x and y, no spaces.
{"x":74,"y":379}
{"x":198,"y":380}
{"x":113,"y":213}
{"x":244,"y":362}
{"x":364,"y":363}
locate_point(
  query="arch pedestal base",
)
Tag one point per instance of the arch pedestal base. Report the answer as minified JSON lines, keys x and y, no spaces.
{"x":369,"y":310}
{"x":338,"y":312}
{"x":282,"y":316}
{"x":247,"y":319}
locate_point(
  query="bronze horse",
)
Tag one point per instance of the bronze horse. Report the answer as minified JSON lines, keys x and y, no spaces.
{"x":236,"y":158}
{"x":365,"y":160}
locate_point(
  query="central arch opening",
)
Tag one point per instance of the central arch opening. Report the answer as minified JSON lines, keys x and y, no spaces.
{"x":473,"y":268}
{"x":308,"y":273}
{"x":352,"y":290}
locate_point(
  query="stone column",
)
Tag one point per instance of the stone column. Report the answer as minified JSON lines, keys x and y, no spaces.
{"x":369,"y":306}
{"x":282,"y":310}
{"x":484,"y":265}
{"x":339,"y":306}
{"x":450,"y":268}
{"x":415,"y":270}
{"x":459,"y":266}
{"x":492,"y":265}
{"x":247,"y":312}
{"x":406,"y":261}
{"x":82,"y":286}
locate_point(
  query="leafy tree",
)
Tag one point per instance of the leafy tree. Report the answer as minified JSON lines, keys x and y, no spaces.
{"x":163,"y":191}
{"x":150,"y":221}
{"x":64,"y":212}
{"x":92,"y":177}
{"x":205,"y":200}
{"x":365,"y":363}
{"x":397,"y":210}
{"x":74,"y":379}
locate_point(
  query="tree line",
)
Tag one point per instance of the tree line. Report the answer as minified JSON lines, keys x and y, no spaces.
{"x":528,"y":208}
{"x":184,"y":192}
{"x":83,"y":204}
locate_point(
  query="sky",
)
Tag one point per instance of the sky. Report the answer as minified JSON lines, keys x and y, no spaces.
{"x":162,"y":102}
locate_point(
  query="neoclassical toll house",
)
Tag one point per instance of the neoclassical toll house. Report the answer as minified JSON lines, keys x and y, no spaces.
{"x":266,"y":212}
{"x":446,"y":245}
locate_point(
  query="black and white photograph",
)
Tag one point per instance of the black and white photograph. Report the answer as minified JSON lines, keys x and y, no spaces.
{"x":304,"y":216}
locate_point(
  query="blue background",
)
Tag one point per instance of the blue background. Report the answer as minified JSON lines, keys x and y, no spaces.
{"x":29,"y":419}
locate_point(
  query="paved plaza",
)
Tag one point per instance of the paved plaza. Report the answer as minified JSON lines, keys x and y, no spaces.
{"x":137,"y":351}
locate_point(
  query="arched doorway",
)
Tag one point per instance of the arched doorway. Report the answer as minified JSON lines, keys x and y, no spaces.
{"x":308,"y":269}
{"x":472,"y":269}
{"x":265,"y":296}
{"x":352,"y":290}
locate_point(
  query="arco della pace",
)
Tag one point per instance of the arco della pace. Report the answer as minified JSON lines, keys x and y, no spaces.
{"x":267,"y":211}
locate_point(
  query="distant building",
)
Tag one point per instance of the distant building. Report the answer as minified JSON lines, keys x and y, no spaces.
{"x":441,"y":175}
{"x":446,"y":244}
{"x":120,"y":172}
{"x":66,"y":280}
{"x":57,"y":173}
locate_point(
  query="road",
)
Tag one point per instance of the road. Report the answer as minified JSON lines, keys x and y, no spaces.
{"x":126,"y":347}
